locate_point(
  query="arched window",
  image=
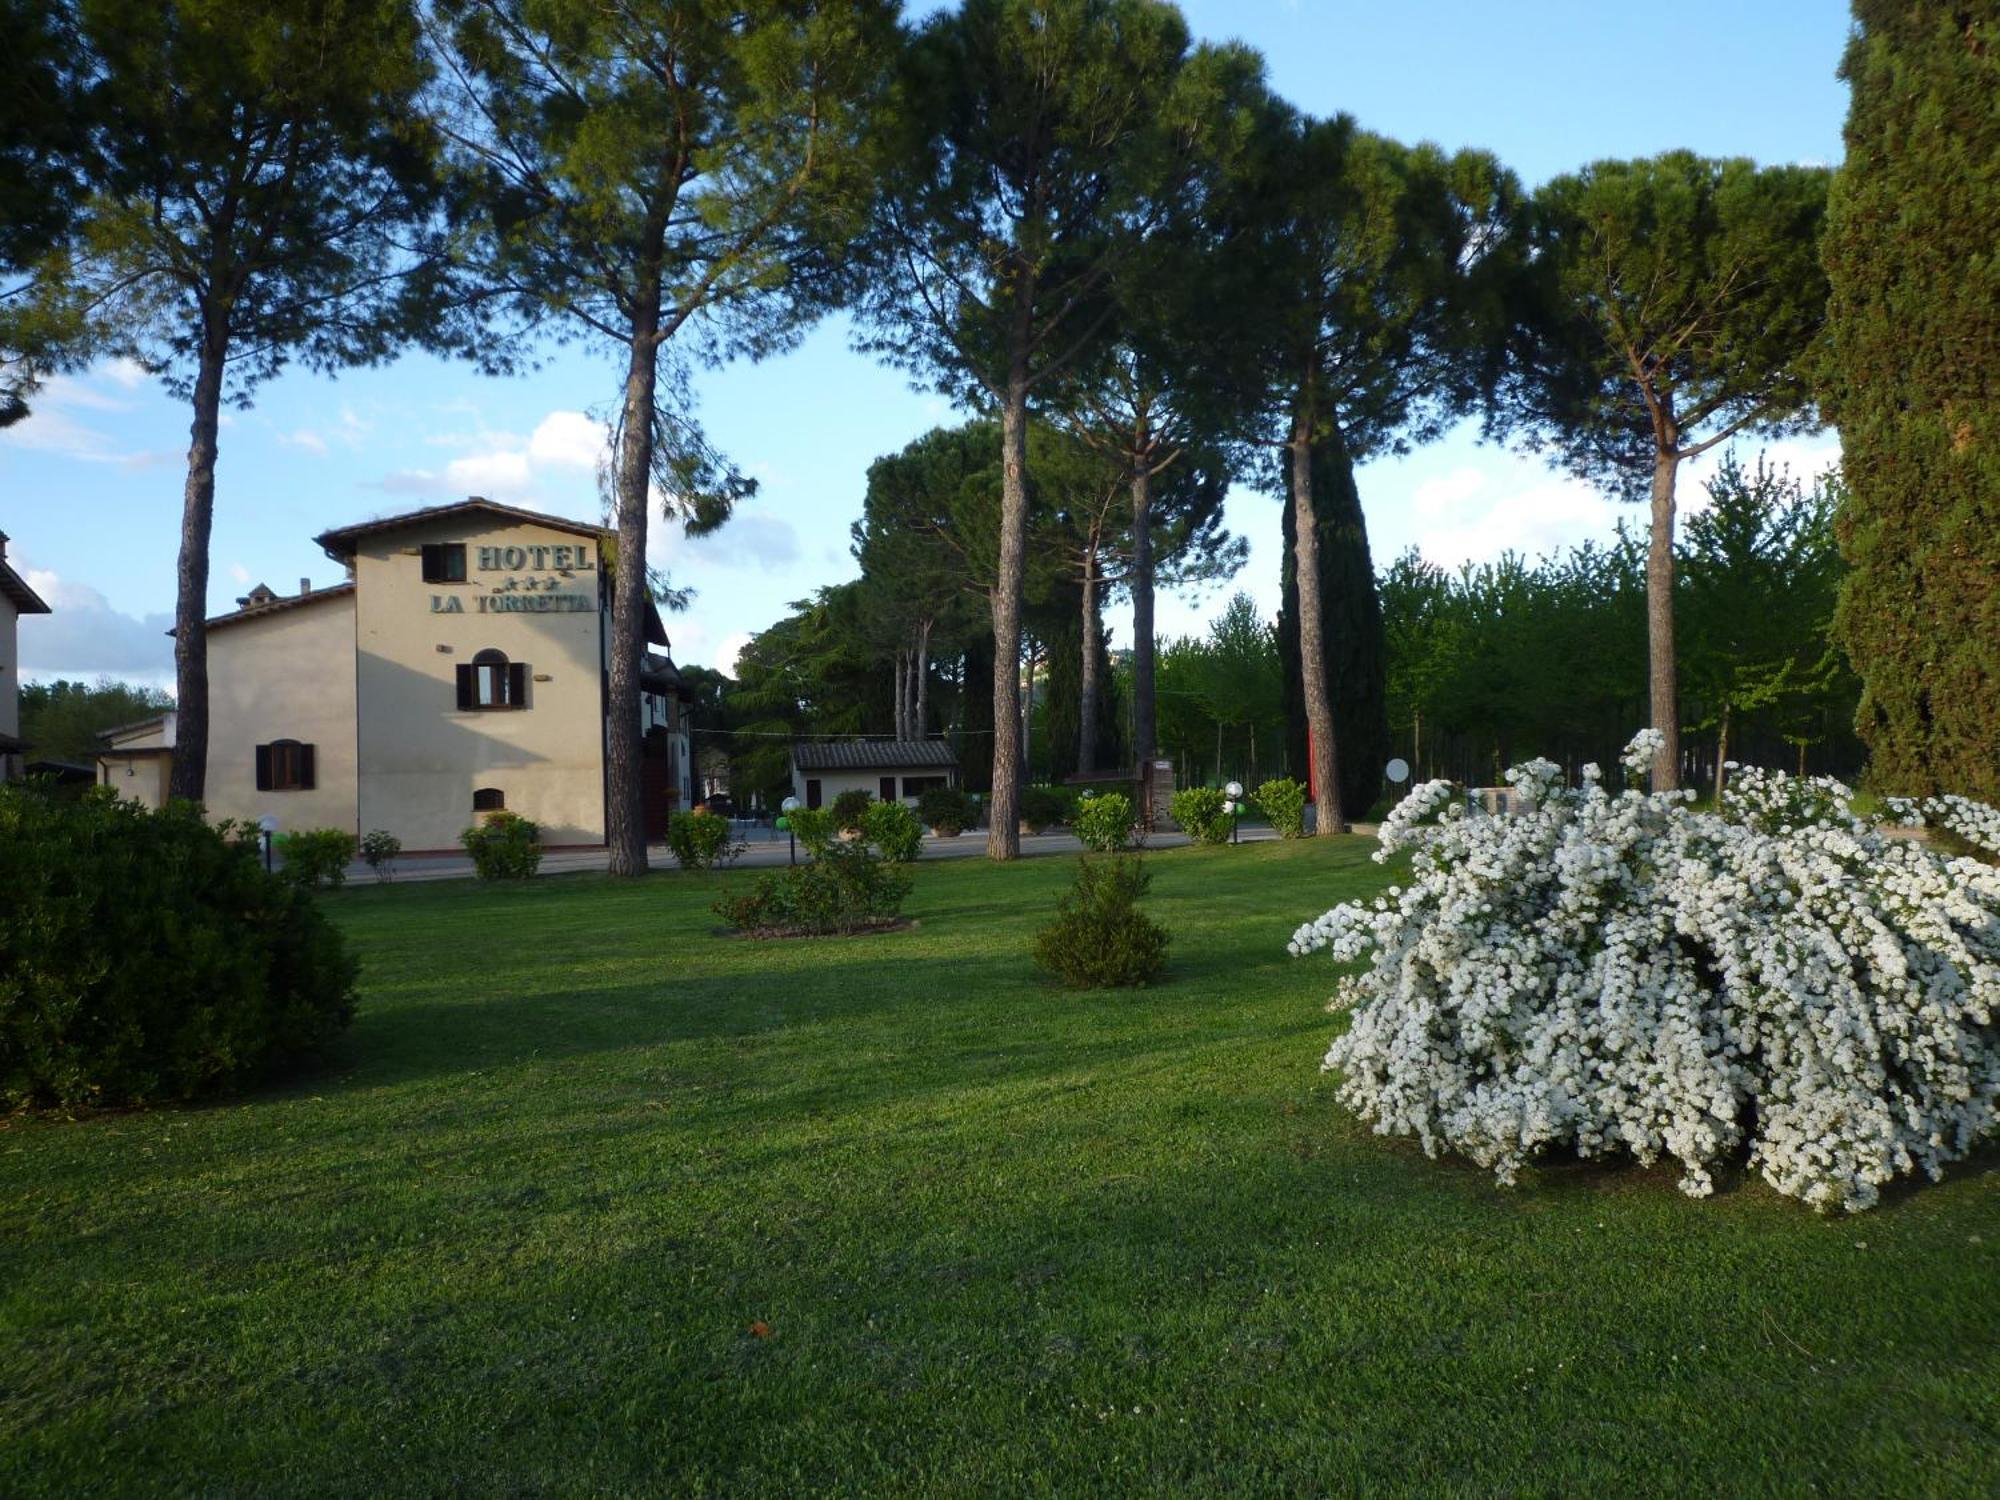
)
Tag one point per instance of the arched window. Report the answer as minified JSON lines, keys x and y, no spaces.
{"x":491,"y":681}
{"x":489,"y":799}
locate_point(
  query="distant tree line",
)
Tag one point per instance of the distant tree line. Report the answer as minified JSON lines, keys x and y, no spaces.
{"x":1140,"y":273}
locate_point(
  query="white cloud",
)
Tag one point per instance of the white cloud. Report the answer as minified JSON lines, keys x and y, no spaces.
{"x":60,"y":420}
{"x":83,"y":636}
{"x":732,"y":647}
{"x":239,"y":574}
{"x":548,"y":467}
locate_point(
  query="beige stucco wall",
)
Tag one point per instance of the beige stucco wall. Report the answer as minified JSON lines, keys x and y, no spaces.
{"x":137,"y":778}
{"x":287,"y":675}
{"x":422,"y":757}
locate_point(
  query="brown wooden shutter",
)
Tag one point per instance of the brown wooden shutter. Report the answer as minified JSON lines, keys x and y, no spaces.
{"x":263,"y":768}
{"x":517,"y":684}
{"x":306,"y":782}
{"x":465,"y":693}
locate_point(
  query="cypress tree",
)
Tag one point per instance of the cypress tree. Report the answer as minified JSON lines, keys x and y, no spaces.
{"x":1356,"y":658}
{"x":1914,"y":386}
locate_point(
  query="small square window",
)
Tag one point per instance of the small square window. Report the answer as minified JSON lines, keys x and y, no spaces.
{"x":444,"y":562}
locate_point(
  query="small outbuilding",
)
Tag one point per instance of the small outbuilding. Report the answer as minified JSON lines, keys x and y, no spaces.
{"x":887,"y":770}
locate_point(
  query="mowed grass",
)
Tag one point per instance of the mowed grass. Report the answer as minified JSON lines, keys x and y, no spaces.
{"x":592,"y":1201}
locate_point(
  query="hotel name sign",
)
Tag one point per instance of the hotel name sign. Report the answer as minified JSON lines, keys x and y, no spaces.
{"x":520,"y":592}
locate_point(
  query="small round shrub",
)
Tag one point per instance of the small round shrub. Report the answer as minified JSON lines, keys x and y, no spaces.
{"x":894,"y":830}
{"x":1283,"y":801}
{"x":317,"y":856}
{"x":813,"y":827}
{"x":506,"y":846}
{"x":849,"y":808}
{"x":701,"y":840}
{"x":1104,"y":823}
{"x":945,"y":810}
{"x":379,"y":848}
{"x":1203,"y":813}
{"x":1042,"y":807}
{"x":148,"y":956}
{"x":1100,"y":939}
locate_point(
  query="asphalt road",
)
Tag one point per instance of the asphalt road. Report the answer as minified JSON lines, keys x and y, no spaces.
{"x":765,"y":848}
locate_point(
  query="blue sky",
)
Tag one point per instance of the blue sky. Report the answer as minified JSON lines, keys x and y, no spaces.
{"x":90,"y":486}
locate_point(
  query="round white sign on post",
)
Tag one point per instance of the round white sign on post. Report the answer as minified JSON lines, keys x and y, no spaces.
{"x":1398,"y":770}
{"x":268,"y":823}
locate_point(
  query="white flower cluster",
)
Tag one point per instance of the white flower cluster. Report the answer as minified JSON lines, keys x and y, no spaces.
{"x":1617,"y":973}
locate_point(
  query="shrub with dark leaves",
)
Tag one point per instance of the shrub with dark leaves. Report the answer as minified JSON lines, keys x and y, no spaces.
{"x":148,"y":956}
{"x":1100,"y":939}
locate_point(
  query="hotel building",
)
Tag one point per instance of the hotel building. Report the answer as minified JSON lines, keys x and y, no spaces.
{"x":461,"y":668}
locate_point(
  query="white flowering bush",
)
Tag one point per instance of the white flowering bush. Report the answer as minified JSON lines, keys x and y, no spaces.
{"x":1779,"y":980}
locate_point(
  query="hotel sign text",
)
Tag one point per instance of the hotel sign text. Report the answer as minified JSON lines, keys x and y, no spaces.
{"x":515,"y":595}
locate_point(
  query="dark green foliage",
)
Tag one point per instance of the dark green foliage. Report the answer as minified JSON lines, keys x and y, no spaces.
{"x":505,"y":846}
{"x":1913,"y":383}
{"x":701,"y":840}
{"x":894,"y":830}
{"x":1203,"y":814}
{"x":1100,"y":939}
{"x":1283,"y":802}
{"x":849,"y":808}
{"x":316,"y":857}
{"x":1043,"y":807}
{"x":1351,"y":621}
{"x":845,"y":887}
{"x":379,"y":848}
{"x":147,"y":956}
{"x":946,"y":809}
{"x":62,"y":720}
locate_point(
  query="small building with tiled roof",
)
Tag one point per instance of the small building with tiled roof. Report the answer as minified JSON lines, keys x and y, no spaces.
{"x":887,"y":770}
{"x":16,"y":599}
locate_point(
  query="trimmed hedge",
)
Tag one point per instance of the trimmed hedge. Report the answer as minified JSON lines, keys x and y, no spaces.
{"x":1284,"y":803}
{"x":1203,"y":813}
{"x":701,"y":840}
{"x":317,"y":856}
{"x":148,"y":956}
{"x":506,"y":846}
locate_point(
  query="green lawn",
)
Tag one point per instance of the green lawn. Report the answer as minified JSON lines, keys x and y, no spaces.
{"x":515,"y":1238}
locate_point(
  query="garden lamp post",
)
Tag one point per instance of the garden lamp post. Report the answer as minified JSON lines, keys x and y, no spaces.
{"x":1234,"y":792}
{"x":789,"y":806}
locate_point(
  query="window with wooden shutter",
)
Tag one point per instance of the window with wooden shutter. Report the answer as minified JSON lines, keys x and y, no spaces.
{"x":493,"y":682}
{"x":489,"y":799}
{"x":285,"y":766}
{"x":444,"y":562}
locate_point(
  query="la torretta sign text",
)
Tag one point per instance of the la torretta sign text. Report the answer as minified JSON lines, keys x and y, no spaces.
{"x":517,"y":595}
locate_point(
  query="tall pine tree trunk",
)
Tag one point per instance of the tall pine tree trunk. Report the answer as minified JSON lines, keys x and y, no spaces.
{"x":189,"y":777}
{"x":1145,"y":716}
{"x":1003,"y":833}
{"x":1312,"y":648}
{"x":625,"y":827}
{"x":921,"y":710}
{"x":1662,"y":675}
{"x":902,"y":696}
{"x":1087,"y":683}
